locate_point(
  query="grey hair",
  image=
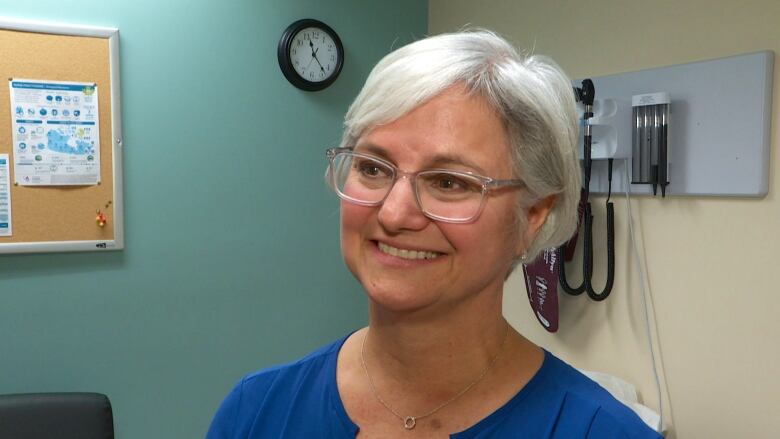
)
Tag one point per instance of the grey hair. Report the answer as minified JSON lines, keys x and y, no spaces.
{"x":531,"y":94}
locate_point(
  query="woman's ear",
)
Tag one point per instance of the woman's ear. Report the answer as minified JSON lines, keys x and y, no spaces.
{"x":535,"y":219}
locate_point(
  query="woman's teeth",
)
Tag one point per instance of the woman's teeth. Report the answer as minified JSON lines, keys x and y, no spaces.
{"x":407,"y":254}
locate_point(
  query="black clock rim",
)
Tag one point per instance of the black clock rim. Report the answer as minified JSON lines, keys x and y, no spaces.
{"x":283,"y":51}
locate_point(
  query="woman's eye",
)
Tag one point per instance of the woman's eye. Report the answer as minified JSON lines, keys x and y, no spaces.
{"x":449,"y":183}
{"x":371,"y":169}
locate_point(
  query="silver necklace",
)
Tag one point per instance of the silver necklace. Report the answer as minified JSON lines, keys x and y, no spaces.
{"x":411,"y":421}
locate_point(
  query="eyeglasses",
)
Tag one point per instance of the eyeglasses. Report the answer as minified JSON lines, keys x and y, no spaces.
{"x":442,"y":194}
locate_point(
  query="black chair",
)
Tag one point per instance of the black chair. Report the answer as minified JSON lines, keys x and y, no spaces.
{"x":56,"y":416}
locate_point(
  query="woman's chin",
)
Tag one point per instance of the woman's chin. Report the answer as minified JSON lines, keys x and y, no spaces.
{"x":399,"y":301}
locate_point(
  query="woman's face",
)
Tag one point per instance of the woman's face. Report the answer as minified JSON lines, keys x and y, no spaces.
{"x":453,"y":131}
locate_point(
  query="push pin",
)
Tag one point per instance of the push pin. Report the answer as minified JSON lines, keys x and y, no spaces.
{"x":101,"y":218}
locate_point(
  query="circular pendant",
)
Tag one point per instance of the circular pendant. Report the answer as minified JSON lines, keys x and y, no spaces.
{"x":409,"y":422}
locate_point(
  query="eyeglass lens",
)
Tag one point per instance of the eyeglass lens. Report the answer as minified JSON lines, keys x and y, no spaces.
{"x":443,"y":194}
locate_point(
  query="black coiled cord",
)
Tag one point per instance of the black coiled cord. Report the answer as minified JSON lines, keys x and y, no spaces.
{"x":587,"y":264}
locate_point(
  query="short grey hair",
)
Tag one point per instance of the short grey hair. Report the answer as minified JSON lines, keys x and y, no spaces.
{"x":531,"y":94}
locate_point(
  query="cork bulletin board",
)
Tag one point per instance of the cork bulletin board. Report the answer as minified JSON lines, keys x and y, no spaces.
{"x":63,"y":216}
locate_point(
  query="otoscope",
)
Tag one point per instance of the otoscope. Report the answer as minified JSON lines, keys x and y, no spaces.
{"x":586,"y":94}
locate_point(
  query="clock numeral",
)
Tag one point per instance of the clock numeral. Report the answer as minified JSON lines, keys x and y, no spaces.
{"x":299,"y":42}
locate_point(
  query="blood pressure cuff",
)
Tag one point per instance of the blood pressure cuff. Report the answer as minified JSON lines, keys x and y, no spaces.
{"x":541,"y":283}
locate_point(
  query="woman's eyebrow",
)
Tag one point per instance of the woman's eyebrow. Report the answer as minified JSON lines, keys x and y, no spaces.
{"x":438,"y":160}
{"x":371,"y":149}
{"x":454,"y":159}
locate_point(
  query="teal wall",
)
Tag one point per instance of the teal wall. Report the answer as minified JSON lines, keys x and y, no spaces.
{"x":231,"y":259}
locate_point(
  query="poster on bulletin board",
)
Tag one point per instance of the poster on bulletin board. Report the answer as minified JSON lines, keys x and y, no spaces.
{"x":60,"y":138}
{"x":55,"y":131}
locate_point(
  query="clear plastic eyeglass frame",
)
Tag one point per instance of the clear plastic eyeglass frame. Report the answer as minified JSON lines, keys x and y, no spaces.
{"x":488,"y":184}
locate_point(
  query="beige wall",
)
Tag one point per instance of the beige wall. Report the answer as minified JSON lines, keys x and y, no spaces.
{"x":712,"y":263}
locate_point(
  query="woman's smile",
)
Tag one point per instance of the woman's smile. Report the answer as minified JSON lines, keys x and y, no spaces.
{"x":406,"y":253}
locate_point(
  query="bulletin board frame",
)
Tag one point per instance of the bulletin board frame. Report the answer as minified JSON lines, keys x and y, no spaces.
{"x":111,"y":238}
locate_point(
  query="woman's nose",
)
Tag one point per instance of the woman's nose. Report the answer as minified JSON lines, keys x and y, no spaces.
{"x":400,"y":210}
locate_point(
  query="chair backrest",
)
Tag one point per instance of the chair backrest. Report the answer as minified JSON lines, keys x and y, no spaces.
{"x":56,"y":415}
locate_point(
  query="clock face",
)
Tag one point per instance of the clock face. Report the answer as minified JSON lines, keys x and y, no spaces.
{"x":310,"y":54}
{"x":314,"y":54}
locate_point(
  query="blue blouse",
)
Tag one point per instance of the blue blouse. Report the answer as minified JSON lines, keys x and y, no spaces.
{"x":301,"y":400}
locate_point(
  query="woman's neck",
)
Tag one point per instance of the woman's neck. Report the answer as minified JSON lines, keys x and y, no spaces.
{"x":412,"y":350}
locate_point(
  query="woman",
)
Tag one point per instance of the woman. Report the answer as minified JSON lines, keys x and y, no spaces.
{"x":458,"y":161}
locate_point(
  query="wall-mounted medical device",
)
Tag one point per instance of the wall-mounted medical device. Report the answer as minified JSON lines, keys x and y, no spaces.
{"x":608,"y":148}
{"x":650,"y":140}
{"x":717,"y":142}
{"x":611,"y":136}
{"x":719,"y":145}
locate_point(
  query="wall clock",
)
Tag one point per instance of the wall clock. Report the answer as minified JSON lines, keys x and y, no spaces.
{"x":310,"y":54}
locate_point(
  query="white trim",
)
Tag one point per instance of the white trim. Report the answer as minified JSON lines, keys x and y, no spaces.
{"x":56,"y":28}
{"x":58,"y":246}
{"x":116,"y":140}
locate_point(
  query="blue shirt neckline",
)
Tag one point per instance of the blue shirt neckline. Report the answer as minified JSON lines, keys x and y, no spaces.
{"x":493,"y":418}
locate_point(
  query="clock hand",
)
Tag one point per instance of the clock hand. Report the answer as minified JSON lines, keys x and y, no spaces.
{"x":314,"y":55}
{"x":318,"y":62}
